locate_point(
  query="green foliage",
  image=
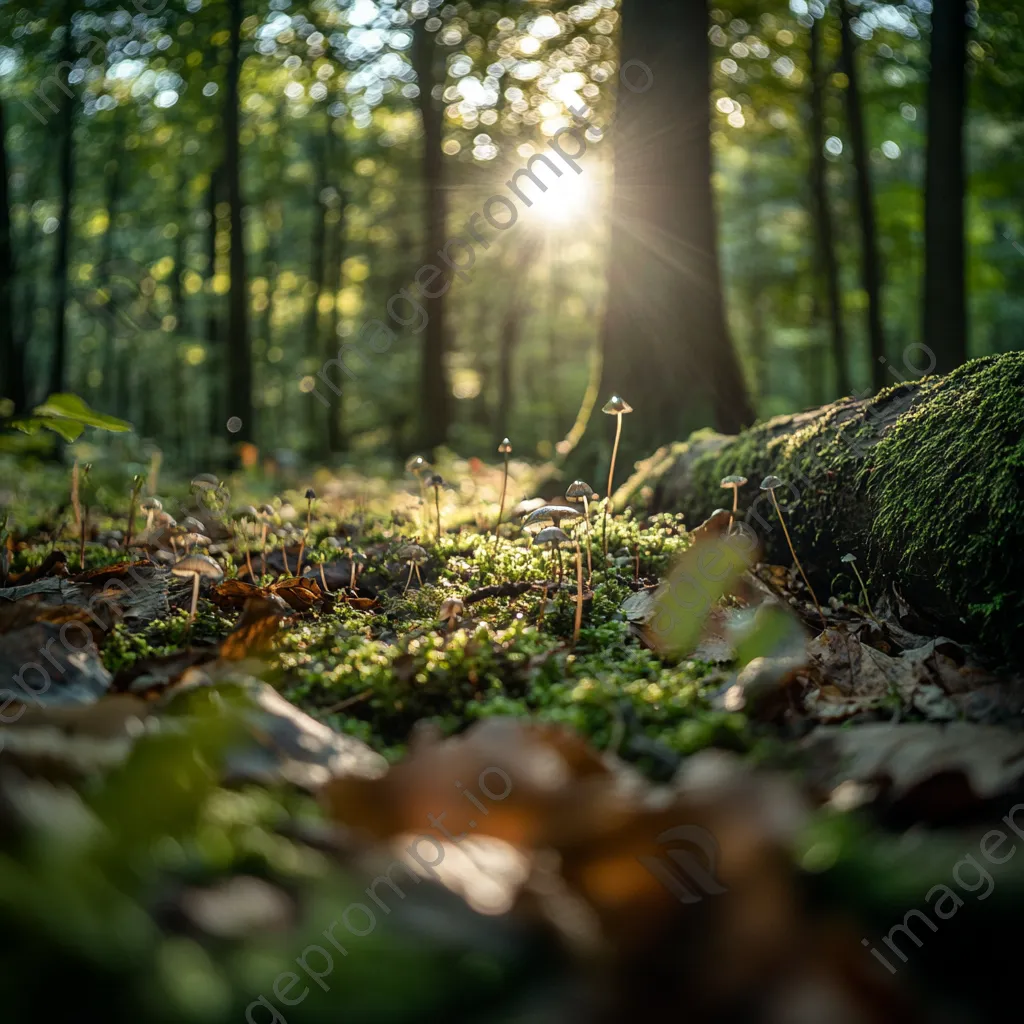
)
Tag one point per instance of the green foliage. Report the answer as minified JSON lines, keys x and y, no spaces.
{"x":67,"y":416}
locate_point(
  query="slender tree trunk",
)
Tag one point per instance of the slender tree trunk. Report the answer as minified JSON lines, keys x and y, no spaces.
{"x":214,"y":381}
{"x":828,"y":266}
{"x":112,"y":371}
{"x":66,"y":172}
{"x":871,"y":276}
{"x":239,"y":354}
{"x":667,"y":348}
{"x":181,"y":428}
{"x":945,"y":303}
{"x":516,"y":311}
{"x":317,"y":270}
{"x":435,"y":409}
{"x":336,"y":437}
{"x":11,"y":362}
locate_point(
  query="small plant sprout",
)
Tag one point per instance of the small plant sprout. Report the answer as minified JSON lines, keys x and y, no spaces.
{"x":436,"y":481}
{"x":851,"y":561}
{"x":451,"y":611}
{"x":733,"y":483}
{"x":415,"y":556}
{"x":151,"y":506}
{"x":246,"y":515}
{"x":505,"y":450}
{"x":580,"y":490}
{"x":196,"y":566}
{"x":81,"y":508}
{"x":266,"y":513}
{"x":310,"y":498}
{"x":137,"y":481}
{"x":617,"y":407}
{"x":554,"y":537}
{"x":769,"y":483}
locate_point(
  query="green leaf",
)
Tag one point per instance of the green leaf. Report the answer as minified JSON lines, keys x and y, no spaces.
{"x":71,"y":407}
{"x":26,"y":425}
{"x":703,"y":575}
{"x":70,"y":430}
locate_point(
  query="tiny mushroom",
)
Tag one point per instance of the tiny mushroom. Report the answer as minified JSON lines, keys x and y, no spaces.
{"x":769,"y":483}
{"x":505,"y":449}
{"x":617,"y":407}
{"x":451,"y":611}
{"x":196,"y":566}
{"x":734,"y":483}
{"x":580,"y":490}
{"x":266,"y":513}
{"x":415,"y":556}
{"x":551,"y":514}
{"x":151,"y":506}
{"x":554,"y":537}
{"x":246,"y":514}
{"x":851,"y":561}
{"x":436,"y":481}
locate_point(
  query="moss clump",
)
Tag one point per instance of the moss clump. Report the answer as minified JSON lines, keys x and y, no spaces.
{"x":947,"y":483}
{"x":924,"y":483}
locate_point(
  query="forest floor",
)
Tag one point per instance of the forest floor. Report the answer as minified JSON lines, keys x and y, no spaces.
{"x":405,"y":767}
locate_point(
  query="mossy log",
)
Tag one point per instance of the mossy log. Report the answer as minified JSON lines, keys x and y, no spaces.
{"x":923,"y":483}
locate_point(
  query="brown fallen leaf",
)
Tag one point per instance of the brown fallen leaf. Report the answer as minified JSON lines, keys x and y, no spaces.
{"x":232,"y":594}
{"x":255,"y":630}
{"x":55,"y":564}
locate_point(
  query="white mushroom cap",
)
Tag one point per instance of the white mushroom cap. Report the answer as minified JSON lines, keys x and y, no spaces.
{"x":552,"y":535}
{"x":201,"y":565}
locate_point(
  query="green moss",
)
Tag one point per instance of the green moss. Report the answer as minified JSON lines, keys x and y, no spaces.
{"x":960,"y":451}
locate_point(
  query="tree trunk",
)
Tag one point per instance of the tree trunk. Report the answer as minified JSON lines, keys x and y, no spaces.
{"x":112,"y":365}
{"x":11,"y":361}
{"x":944,"y":328}
{"x":923,"y":485}
{"x":828,"y":266}
{"x":511,"y":329}
{"x":214,"y":359}
{"x":666,"y":344}
{"x":320,"y":158}
{"x":871,"y":277}
{"x":239,"y":354}
{"x":435,"y":411}
{"x":335,"y":412}
{"x":66,"y":172}
{"x":180,"y":419}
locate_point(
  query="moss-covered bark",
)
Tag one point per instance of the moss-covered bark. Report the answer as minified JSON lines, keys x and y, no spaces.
{"x":924,"y":483}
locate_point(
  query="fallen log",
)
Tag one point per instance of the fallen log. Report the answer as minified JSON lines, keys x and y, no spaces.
{"x":923,"y":483}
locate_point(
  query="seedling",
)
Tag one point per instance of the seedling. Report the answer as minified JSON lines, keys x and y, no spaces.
{"x":246,"y":515}
{"x":266,"y":513}
{"x":310,"y":498}
{"x":617,"y":407}
{"x":851,"y":561}
{"x":137,"y":481}
{"x":505,"y":449}
{"x":769,"y":483}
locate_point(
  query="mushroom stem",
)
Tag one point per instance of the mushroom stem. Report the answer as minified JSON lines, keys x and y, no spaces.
{"x":586,"y":523}
{"x":412,"y":565}
{"x":352,"y":575}
{"x":579,"y":597}
{"x":284,"y":553}
{"x":323,"y":579}
{"x":131,"y":516}
{"x":543,"y":606}
{"x":195,"y":599}
{"x":437,"y":507}
{"x":611,"y":475}
{"x":248,"y":557}
{"x":302,"y":550}
{"x":558,"y":555}
{"x":863,"y":590}
{"x":501,"y":505}
{"x":81,"y":540}
{"x":735,"y":506}
{"x":263,"y":551}
{"x":792,"y":551}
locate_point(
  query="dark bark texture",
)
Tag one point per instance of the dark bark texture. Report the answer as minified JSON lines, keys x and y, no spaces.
{"x":945,"y":301}
{"x":666,"y":345}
